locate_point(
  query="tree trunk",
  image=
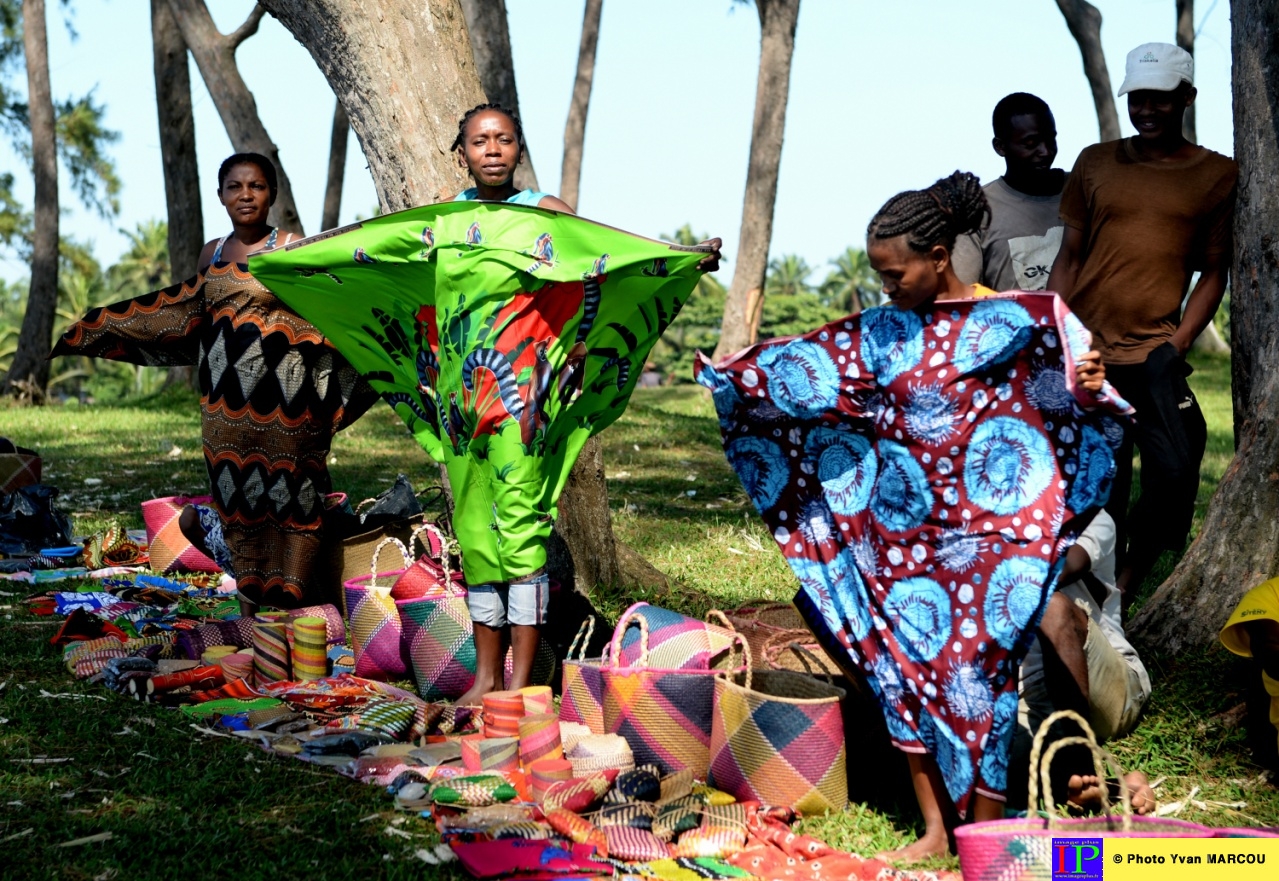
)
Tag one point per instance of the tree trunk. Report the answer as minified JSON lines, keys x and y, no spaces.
{"x":1238,"y":546}
{"x":406,"y":75}
{"x":575,"y":127}
{"x":29,"y":372}
{"x":337,"y":168}
{"x":1186,"y":40}
{"x":1084,"y":22}
{"x":490,"y":34}
{"x":745,"y":301}
{"x":177,"y":155}
{"x":214,"y":54}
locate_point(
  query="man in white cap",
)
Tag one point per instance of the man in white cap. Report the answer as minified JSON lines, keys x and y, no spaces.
{"x":1142,"y":215}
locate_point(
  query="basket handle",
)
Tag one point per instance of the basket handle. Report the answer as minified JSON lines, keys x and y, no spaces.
{"x":806,"y":657}
{"x":377,"y":552}
{"x":634,"y":613}
{"x":426,"y":526}
{"x":363,"y":503}
{"x":1037,"y":748}
{"x":584,"y":634}
{"x":723,"y":620}
{"x":1102,"y":761}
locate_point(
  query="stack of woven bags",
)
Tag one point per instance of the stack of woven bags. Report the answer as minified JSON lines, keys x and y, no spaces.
{"x":666,"y":747}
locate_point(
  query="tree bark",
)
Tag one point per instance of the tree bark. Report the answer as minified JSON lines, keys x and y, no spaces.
{"x":1084,"y":21}
{"x":406,"y":75}
{"x":177,"y":142}
{"x":490,"y":34}
{"x":575,"y":127}
{"x":29,"y":371}
{"x":1238,"y":546}
{"x":1186,"y":40}
{"x":337,"y":168}
{"x":745,"y":300}
{"x":214,"y":54}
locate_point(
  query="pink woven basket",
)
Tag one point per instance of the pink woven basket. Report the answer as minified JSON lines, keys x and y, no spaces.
{"x":376,"y":632}
{"x":1017,"y":849}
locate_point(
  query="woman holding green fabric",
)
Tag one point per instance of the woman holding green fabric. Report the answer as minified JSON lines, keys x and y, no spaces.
{"x":490,"y":145}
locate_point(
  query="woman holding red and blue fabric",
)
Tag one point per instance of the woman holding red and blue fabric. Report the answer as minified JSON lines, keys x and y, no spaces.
{"x":923,"y":466}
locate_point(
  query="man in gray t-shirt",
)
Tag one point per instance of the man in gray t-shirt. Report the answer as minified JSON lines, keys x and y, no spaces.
{"x":1017,"y":250}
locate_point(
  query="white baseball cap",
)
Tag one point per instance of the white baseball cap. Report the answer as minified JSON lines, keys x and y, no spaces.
{"x":1158,"y":66}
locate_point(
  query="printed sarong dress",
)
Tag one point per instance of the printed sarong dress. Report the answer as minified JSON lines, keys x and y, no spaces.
{"x":273,"y":392}
{"x":504,"y":335}
{"x":923,"y":473}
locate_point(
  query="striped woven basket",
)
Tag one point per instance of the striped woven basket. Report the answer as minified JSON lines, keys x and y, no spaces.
{"x":1022,"y":848}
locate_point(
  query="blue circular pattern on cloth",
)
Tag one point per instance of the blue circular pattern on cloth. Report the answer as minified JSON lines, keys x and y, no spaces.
{"x":1008,"y":466}
{"x":1113,"y":429}
{"x":968,"y":693}
{"x":1094,"y":472}
{"x":931,"y":415}
{"x":1013,"y":596}
{"x":846,"y":466}
{"x":892,"y":341}
{"x":994,"y":331}
{"x":902,"y":498}
{"x":920,"y":610}
{"x":762,"y":468}
{"x":1046,"y":391}
{"x":838,"y":590}
{"x":802,"y":378}
{"x":954,"y":758}
{"x":994,"y":761}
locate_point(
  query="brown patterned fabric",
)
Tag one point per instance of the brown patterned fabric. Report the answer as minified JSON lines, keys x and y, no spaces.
{"x":273,"y":392}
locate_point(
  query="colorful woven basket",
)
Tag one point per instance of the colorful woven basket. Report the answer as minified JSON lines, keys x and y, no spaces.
{"x":664,"y":714}
{"x":777,"y":737}
{"x":1022,"y":848}
{"x":582,"y":686}
{"x":438,"y":632}
{"x":376,"y":631}
{"x":675,"y":641}
{"x":170,"y":550}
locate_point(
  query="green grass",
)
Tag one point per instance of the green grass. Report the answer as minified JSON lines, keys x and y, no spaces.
{"x":176,"y":801}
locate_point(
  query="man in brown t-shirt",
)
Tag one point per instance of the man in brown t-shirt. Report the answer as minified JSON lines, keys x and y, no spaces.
{"x":1142,"y":215}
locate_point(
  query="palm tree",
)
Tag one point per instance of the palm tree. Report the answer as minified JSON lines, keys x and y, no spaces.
{"x":852,"y":285}
{"x":744,"y":303}
{"x":788,"y":276}
{"x":145,"y":266}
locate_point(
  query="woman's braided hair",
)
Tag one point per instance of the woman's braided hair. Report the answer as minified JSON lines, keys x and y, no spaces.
{"x":934,"y":216}
{"x":459,"y":141}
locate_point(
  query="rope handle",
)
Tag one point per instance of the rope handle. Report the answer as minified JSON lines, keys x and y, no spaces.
{"x":587,"y":630}
{"x":363,"y":503}
{"x":1102,"y":761}
{"x":634,"y":613}
{"x":1037,"y":748}
{"x":427,"y":526}
{"x":716,"y":613}
{"x":377,"y":552}
{"x":738,"y":640}
{"x":805,"y":655}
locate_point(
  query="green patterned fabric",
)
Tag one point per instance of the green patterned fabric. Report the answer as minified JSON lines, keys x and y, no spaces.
{"x":504,"y":336}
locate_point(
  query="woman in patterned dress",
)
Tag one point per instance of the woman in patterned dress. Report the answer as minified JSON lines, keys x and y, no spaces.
{"x":273,"y":392}
{"x":923,"y":466}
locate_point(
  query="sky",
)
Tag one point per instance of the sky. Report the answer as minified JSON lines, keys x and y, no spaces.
{"x":884,"y":96}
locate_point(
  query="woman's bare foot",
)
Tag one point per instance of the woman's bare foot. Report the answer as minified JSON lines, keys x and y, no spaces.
{"x":932,"y":844}
{"x":474,"y":697}
{"x":1084,"y":791}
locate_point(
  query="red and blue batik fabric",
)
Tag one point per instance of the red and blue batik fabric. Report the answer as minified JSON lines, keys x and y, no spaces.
{"x":923,"y":473}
